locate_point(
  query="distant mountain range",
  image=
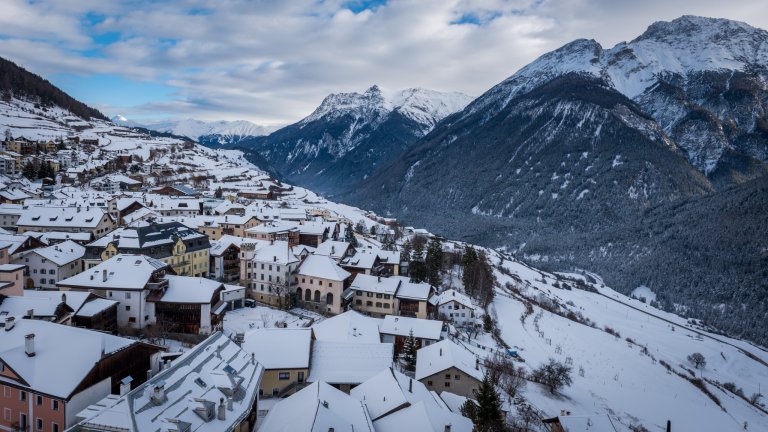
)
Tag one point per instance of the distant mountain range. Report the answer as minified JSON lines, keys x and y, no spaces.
{"x":351,"y":134}
{"x":211,"y":134}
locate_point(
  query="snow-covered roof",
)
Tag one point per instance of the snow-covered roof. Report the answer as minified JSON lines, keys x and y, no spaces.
{"x":318,"y":408}
{"x":224,"y":242}
{"x":594,"y":423}
{"x":452,"y":295}
{"x":277,"y":252}
{"x":375,"y":284}
{"x":278,"y":348}
{"x":391,"y":392}
{"x":360,"y":260}
{"x":161,"y":234}
{"x":19,"y":306}
{"x":74,"y":299}
{"x":64,"y":355}
{"x":126,"y":271}
{"x":323,"y":267}
{"x":348,"y":362}
{"x":49,"y":236}
{"x":453,"y":401}
{"x":402,"y":326}
{"x":413,"y":290}
{"x":95,"y":306}
{"x":443,"y":355}
{"x":214,"y":369}
{"x":53,"y":217}
{"x":332,"y":248}
{"x":186,"y":289}
{"x":350,"y":326}
{"x":62,"y":253}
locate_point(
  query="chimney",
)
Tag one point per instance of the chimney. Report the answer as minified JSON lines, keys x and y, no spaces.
{"x":104,"y":275}
{"x":410,"y":385}
{"x":253,"y":358}
{"x":158,"y":393}
{"x":125,"y":385}
{"x":447,"y":428}
{"x":669,"y":425}
{"x":441,"y":352}
{"x":229,"y":403}
{"x":9,"y":323}
{"x":222,"y":410}
{"x":29,"y":345}
{"x":31,"y":314}
{"x":64,"y":298}
{"x":477,"y":363}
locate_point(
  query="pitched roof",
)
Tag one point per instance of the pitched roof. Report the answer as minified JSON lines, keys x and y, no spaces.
{"x":402,"y":326}
{"x":126,"y":271}
{"x":350,"y":326}
{"x":279,"y":348}
{"x":320,"y":408}
{"x":413,"y":290}
{"x":453,"y":295}
{"x":214,"y":369}
{"x":320,"y":266}
{"x":186,"y":289}
{"x":61,"y":253}
{"x":348,"y":362}
{"x":332,"y":248}
{"x":375,"y":284}
{"x":53,"y":217}
{"x":443,"y":355}
{"x":64,"y":355}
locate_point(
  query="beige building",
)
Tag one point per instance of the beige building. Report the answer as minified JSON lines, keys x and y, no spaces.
{"x":285,"y":354}
{"x":320,"y":283}
{"x":445,"y":366}
{"x":66,"y":219}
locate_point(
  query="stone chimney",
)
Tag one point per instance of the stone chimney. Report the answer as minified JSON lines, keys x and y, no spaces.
{"x":222,"y":410}
{"x":229,"y":403}
{"x":29,"y":344}
{"x":104,"y":275}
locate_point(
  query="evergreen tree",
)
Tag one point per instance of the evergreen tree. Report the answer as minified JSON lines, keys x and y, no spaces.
{"x":405,"y":253}
{"x":29,"y":171}
{"x":418,"y":268}
{"x":388,"y":244}
{"x":409,"y":352}
{"x":349,"y":236}
{"x":434,"y":261}
{"x":467,"y":263}
{"x":488,"y":414}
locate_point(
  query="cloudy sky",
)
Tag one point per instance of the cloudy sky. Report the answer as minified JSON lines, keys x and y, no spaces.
{"x":272,"y":62}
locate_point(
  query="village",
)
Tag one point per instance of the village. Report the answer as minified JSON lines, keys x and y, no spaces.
{"x":139,"y":294}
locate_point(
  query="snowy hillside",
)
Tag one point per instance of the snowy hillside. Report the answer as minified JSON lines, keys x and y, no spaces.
{"x":629,"y":359}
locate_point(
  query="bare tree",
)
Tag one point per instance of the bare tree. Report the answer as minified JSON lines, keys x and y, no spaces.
{"x":509,"y":378}
{"x":265,"y":316}
{"x":697,"y":360}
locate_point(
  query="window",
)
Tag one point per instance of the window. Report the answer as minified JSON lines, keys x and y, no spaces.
{"x":359,"y":302}
{"x":447,"y":384}
{"x":369,"y":294}
{"x":369,"y":303}
{"x":39,"y":424}
{"x":457,"y":377}
{"x":127,"y":295}
{"x":447,"y":376}
{"x":359,"y":293}
{"x":132,"y":319}
{"x":330,"y":284}
{"x":54,"y":404}
{"x":429,"y":383}
{"x":378,"y":304}
{"x":386,"y":305}
{"x":22,"y":395}
{"x":386,"y":296}
{"x":284,"y":375}
{"x":7,"y":415}
{"x":23,"y":421}
{"x":38,"y":400}
{"x":127,"y":308}
{"x":51,"y":281}
{"x":7,"y":391}
{"x":54,"y":427}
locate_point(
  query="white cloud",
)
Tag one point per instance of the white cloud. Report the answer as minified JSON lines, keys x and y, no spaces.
{"x":273,"y":62}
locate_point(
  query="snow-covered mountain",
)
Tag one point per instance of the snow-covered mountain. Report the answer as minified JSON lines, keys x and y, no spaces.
{"x":590,"y":157}
{"x":209,"y":133}
{"x":350,"y":134}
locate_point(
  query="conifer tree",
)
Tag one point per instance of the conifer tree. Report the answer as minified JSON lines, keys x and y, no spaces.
{"x":434,"y":261}
{"x":409,"y":352}
{"x":488,"y":414}
{"x":349,"y":236}
{"x":418,"y":268}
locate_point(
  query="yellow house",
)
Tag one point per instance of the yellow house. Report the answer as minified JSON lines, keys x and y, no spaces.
{"x":184,"y":249}
{"x":285,"y":355}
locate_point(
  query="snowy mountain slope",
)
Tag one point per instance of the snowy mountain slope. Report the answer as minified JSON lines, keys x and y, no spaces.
{"x":212,"y":134}
{"x":624,"y":373}
{"x":350,"y":134}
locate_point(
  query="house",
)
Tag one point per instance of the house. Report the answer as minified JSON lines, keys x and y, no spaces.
{"x":285,"y":355}
{"x":275,"y":231}
{"x":181,"y":247}
{"x":397,"y":403}
{"x":337,"y":250}
{"x":321,"y":281}
{"x":233,"y":296}
{"x":47,"y":266}
{"x":344,"y":365}
{"x":9,"y":215}
{"x":350,"y":326}
{"x":128,"y":279}
{"x":80,"y":309}
{"x":389,"y":262}
{"x":314,"y":233}
{"x":396,"y":329}
{"x":189,"y":305}
{"x":445,"y":366}
{"x":210,"y":388}
{"x":16,"y":244}
{"x":13,"y":196}
{"x":12,"y":279}
{"x":50,"y":371}
{"x":455,"y":307}
{"x":318,"y":408}
{"x":70,"y":219}
{"x":268,"y":269}
{"x":413,"y":298}
{"x":362,"y":262}
{"x":373,"y":295}
{"x":566,"y":422}
{"x":225,"y":258}
{"x":176,"y":190}
{"x":55,"y":237}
